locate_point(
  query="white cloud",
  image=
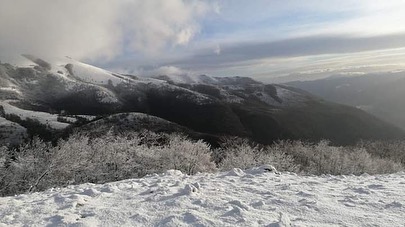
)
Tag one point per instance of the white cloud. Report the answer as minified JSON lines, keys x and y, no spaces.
{"x":217,"y":49}
{"x":97,"y":29}
{"x":168,"y":70}
{"x":275,"y":20}
{"x":367,"y":18}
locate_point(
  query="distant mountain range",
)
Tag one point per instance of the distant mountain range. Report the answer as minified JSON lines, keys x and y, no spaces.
{"x":381,"y":94}
{"x":54,"y":97}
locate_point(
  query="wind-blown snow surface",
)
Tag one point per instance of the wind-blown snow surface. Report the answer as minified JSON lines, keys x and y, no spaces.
{"x":236,"y":198}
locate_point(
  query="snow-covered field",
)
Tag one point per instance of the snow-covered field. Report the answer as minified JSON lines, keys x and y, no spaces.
{"x":236,"y":198}
{"x":48,"y":119}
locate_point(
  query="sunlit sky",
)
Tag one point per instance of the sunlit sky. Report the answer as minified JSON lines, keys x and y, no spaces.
{"x":269,"y":40}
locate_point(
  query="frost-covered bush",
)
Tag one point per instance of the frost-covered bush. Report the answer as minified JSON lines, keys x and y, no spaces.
{"x":3,"y":165}
{"x":111,"y":158}
{"x":278,"y":158}
{"x":322,"y":158}
{"x":239,"y":153}
{"x":80,"y":158}
{"x":301,"y":157}
{"x":23,"y":171}
{"x":392,"y":150}
{"x":187,"y":156}
{"x":3,"y":155}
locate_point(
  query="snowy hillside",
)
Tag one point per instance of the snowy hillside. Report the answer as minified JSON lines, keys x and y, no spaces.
{"x":47,"y":119}
{"x":72,"y":69}
{"x":188,"y":79}
{"x":254,"y":197}
{"x":10,"y":132}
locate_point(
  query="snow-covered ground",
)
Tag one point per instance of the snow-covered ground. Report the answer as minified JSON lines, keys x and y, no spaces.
{"x":235,"y":198}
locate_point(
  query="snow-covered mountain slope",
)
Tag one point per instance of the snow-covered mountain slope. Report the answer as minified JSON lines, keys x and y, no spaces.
{"x":50,"y":120}
{"x":236,"y":106}
{"x":239,"y":89}
{"x":188,"y":79}
{"x":380,"y":94}
{"x":254,"y":197}
{"x":11,"y":132}
{"x":72,"y":69}
{"x":132,"y":122}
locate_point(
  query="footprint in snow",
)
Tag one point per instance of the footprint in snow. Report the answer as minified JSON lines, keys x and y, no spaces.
{"x":394,"y":204}
{"x":263,"y":169}
{"x":284,"y":221}
{"x":348,"y":201}
{"x":109,"y":189}
{"x":376,"y":186}
{"x":192,"y":188}
{"x":311,"y":182}
{"x":238,"y":210}
{"x":305,"y":194}
{"x":359,"y":190}
{"x":56,"y":220}
{"x":90,"y":192}
{"x":235,"y":172}
{"x":239,"y":204}
{"x":258,"y":204}
{"x":284,"y":186}
{"x":311,"y":204}
{"x":201,"y":202}
{"x":234,"y":212}
{"x":185,"y":219}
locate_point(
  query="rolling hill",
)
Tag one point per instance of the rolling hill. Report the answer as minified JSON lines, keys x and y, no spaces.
{"x":59,"y":95}
{"x":380,"y":94}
